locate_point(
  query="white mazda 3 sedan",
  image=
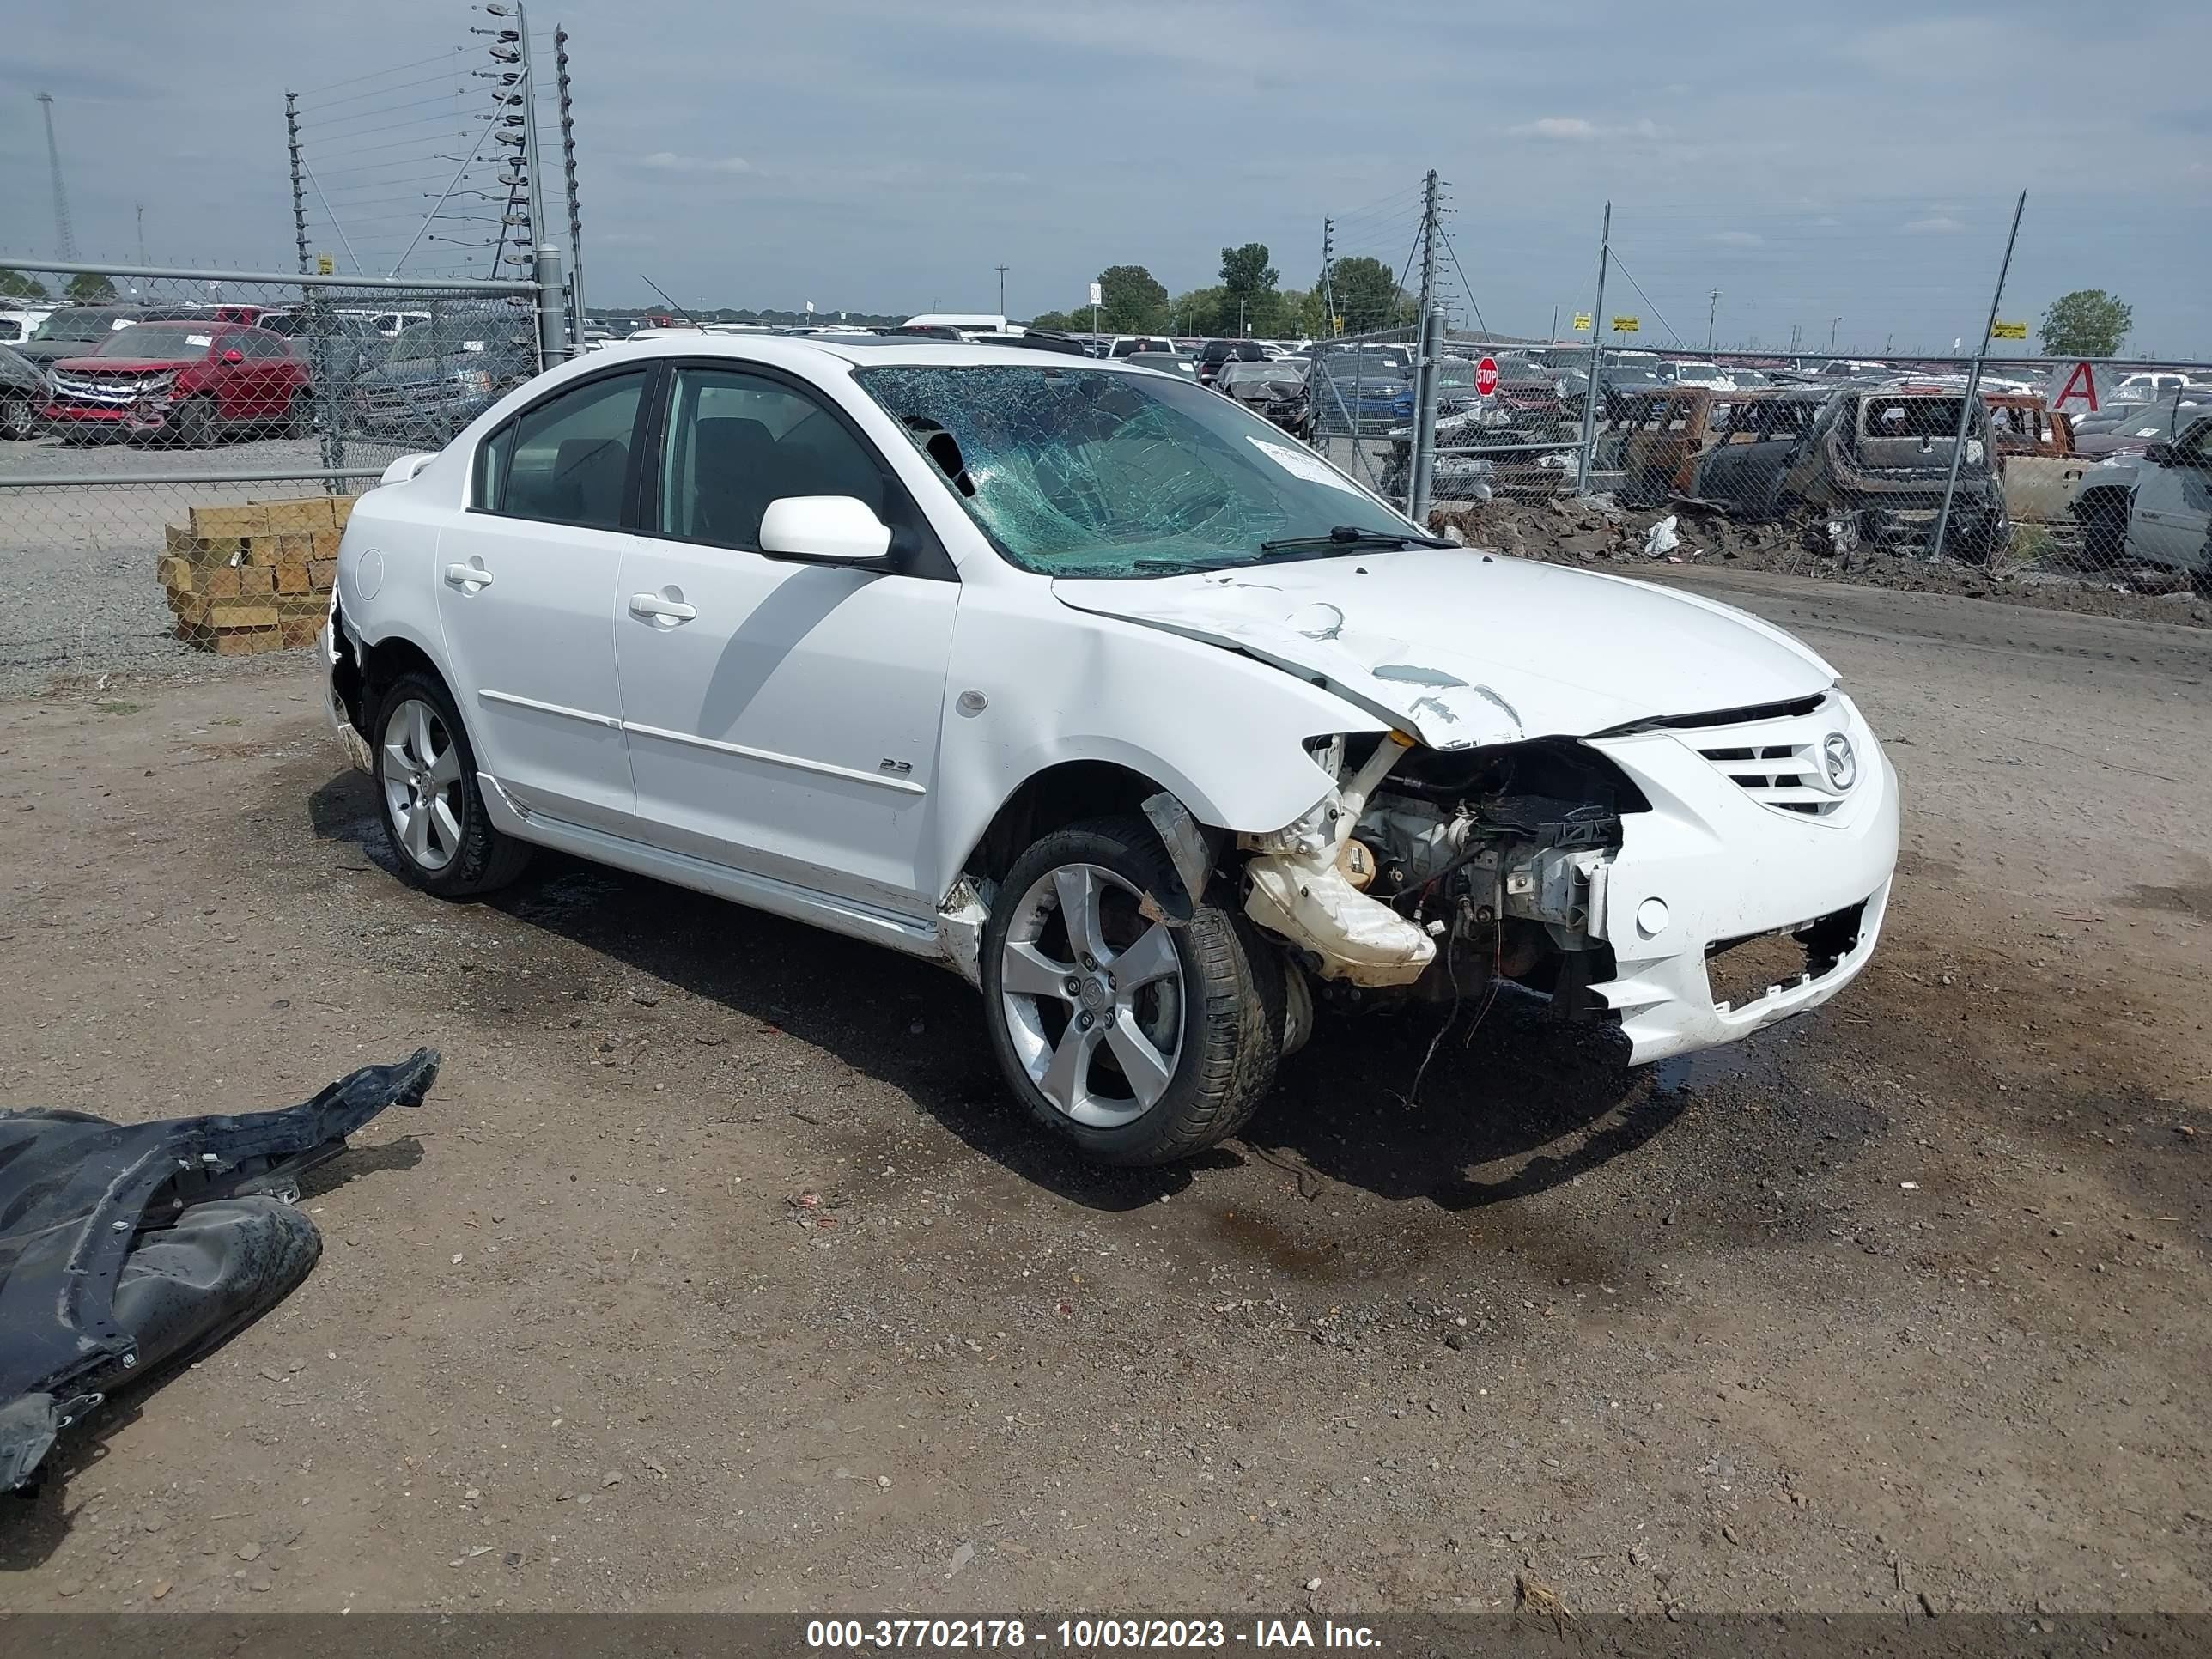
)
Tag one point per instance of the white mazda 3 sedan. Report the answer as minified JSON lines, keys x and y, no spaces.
{"x":1077,"y":677}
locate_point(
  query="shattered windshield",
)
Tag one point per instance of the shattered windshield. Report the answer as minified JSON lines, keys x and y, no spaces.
{"x":1089,"y":473}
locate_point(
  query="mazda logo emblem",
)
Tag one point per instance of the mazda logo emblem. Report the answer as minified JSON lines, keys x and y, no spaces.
{"x":1840,"y":764}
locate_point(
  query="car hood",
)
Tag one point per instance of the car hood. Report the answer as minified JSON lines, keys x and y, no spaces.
{"x":1463,"y":649}
{"x":125,"y":365}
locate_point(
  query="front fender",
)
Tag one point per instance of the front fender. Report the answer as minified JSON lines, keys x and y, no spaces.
{"x":1221,"y":731}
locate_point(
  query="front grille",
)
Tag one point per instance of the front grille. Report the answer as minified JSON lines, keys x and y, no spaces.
{"x":1777,"y":761}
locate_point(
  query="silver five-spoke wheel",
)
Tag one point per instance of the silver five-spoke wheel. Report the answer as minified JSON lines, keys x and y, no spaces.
{"x":1093,"y":995}
{"x":421,"y":772}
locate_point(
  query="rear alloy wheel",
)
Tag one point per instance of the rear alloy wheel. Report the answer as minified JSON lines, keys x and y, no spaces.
{"x":1139,"y":1040}
{"x":19,"y":419}
{"x":428,"y":795}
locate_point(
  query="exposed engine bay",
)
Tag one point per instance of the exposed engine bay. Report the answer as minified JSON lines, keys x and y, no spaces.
{"x":1429,"y":873}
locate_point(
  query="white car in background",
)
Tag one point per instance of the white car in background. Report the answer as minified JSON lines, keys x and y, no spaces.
{"x":1102,"y":691}
{"x":1711,"y":376}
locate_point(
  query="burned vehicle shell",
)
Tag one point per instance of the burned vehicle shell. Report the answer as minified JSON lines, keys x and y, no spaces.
{"x":124,"y":1247}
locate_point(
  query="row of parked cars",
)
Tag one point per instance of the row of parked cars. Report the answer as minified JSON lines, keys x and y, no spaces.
{"x":185,"y":376}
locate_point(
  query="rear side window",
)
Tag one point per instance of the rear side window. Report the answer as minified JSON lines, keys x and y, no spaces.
{"x":567,"y":459}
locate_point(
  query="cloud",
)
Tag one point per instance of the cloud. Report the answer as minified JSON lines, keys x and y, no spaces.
{"x":668,"y":161}
{"x":1574,"y":130}
{"x":1739,"y":238}
{"x":1936,"y":224}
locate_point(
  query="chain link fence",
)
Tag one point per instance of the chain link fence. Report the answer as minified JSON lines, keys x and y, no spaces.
{"x":178,"y":449}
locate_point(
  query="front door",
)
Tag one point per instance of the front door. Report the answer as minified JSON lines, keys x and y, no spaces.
{"x":782,"y":717}
{"x":526,"y":578}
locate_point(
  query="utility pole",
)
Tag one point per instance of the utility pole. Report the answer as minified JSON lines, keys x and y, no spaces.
{"x":1833,"y":324}
{"x":1974,"y":385}
{"x":1001,"y":269}
{"x":1432,"y":337}
{"x":568,"y":174}
{"x":299,"y":197}
{"x":1712,"y":310}
{"x":65,"y":238}
{"x":1596,"y":389}
{"x":1554,"y":335}
{"x":548,"y":257}
{"x":1327,"y":284}
{"x":142,"y":232}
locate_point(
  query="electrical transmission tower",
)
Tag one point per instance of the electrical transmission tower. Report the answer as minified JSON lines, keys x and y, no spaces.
{"x":65,"y":240}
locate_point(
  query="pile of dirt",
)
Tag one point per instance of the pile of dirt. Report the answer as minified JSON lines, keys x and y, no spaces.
{"x":1597,"y":530}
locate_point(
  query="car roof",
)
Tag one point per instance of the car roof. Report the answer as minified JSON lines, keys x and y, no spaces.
{"x":872,"y":350}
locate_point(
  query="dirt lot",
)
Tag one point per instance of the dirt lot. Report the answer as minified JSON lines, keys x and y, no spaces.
{"x":1905,"y":1300}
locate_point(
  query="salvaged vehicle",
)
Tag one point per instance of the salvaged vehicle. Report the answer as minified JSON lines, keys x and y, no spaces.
{"x":2035,"y":457}
{"x":1874,"y":459}
{"x":2156,"y":509}
{"x":1094,"y":686}
{"x":1274,"y":389}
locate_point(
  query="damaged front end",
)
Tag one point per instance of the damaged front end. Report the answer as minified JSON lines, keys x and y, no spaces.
{"x":124,"y":1246}
{"x":1429,"y":872}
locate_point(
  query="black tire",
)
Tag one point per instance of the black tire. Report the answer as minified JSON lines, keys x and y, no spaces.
{"x":480,"y":858}
{"x":193,"y":426}
{"x":2104,"y":518}
{"x":300,"y":417}
{"x":1230,"y":1019}
{"x":19,"y":420}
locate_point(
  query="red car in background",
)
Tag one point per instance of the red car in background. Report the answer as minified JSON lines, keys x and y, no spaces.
{"x":183,"y":384}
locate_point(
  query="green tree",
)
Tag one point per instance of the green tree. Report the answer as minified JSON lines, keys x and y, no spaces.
{"x":2086,"y":323}
{"x":1247,"y":283}
{"x":1199,"y":312}
{"x":1297,"y":314}
{"x":1060,"y":319}
{"x":14,"y":285}
{"x":1368,"y":296}
{"x":85,"y":288}
{"x":1132,"y":302}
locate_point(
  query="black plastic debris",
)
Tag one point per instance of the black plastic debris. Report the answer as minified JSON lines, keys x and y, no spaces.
{"x":125,"y":1246}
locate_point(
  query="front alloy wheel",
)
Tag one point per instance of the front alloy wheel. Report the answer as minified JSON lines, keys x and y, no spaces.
{"x":1138,"y":1024}
{"x":1092,"y":994}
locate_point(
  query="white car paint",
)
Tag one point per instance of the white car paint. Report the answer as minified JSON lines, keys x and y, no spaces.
{"x":830,"y":743}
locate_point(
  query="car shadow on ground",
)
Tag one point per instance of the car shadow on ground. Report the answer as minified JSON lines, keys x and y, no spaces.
{"x":1510,"y":1102}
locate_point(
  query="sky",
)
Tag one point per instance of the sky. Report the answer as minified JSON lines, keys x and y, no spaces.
{"x":1834,"y":173}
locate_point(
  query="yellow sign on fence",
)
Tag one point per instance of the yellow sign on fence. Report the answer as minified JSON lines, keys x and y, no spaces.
{"x":1627,"y":324}
{"x":325,"y":266}
{"x":1582,"y":320}
{"x":2010,"y":331}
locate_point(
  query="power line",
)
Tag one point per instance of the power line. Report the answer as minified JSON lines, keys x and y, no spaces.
{"x":356,"y":80}
{"x":1474,"y":304}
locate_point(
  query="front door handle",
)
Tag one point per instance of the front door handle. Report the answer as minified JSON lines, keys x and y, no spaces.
{"x":471,"y":576}
{"x":652,"y":605}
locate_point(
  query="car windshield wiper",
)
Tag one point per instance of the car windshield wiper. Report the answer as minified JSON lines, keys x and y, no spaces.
{"x":1351,"y":536}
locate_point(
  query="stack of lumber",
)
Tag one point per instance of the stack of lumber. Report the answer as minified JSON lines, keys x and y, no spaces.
{"x":256,"y":577}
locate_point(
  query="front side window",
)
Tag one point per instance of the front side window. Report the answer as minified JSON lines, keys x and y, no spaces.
{"x":566,"y":460}
{"x":1086,"y":472}
{"x":737,"y":441}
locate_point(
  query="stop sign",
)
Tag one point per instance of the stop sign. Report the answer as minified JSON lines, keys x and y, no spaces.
{"x":1485,"y":376}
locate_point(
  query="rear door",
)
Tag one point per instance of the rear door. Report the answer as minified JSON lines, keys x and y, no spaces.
{"x":782,"y":717}
{"x":2174,"y":503}
{"x":526,"y":578}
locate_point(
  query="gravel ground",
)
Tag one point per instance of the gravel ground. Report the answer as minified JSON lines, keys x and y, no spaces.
{"x":719,"y":1273}
{"x":77,"y":563}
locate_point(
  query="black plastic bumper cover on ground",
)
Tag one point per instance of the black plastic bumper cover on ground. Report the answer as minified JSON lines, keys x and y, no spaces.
{"x":123,"y":1246}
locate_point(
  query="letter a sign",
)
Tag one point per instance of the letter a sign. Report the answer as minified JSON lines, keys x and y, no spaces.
{"x":2077,"y":389}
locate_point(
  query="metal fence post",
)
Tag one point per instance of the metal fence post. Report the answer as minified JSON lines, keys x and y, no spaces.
{"x":1596,"y":390}
{"x":1424,"y":415}
{"x":1974,"y":389}
{"x":552,"y":344}
{"x":569,"y":177}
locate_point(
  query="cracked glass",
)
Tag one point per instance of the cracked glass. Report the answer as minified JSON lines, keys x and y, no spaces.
{"x":1091,"y":472}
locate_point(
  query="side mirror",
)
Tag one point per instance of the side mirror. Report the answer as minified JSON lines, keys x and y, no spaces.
{"x":2162,"y":454}
{"x":233,"y":355}
{"x":825,"y":530}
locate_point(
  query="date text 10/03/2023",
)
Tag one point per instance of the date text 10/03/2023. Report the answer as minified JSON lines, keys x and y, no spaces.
{"x":1083,"y":1634}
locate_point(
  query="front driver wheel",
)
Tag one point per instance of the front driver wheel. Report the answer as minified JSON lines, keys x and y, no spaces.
{"x":1139,"y":1041}
{"x":428,"y":795}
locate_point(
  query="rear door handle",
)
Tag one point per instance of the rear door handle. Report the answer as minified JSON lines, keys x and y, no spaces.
{"x":652,"y":605}
{"x":471,"y":576}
